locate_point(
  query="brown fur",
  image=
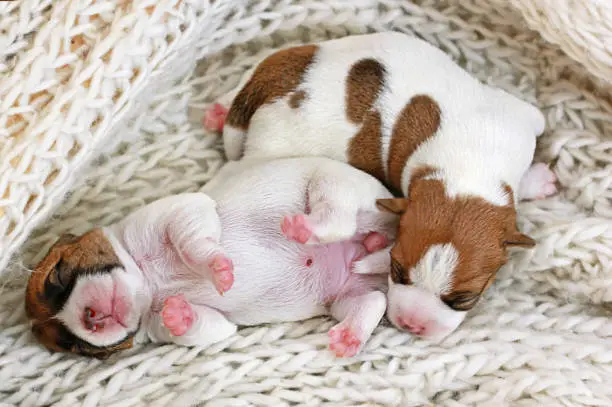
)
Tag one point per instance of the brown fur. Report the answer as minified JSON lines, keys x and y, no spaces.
{"x":276,"y":76}
{"x":364,"y":149}
{"x":364,"y":83}
{"x":417,"y":122}
{"x":52,"y":281}
{"x":296,"y":99}
{"x":481,"y":232}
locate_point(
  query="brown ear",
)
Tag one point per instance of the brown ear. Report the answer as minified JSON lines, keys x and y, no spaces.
{"x":393,"y":205}
{"x":518,"y":239}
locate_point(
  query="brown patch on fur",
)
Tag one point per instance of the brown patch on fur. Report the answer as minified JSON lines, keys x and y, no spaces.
{"x":480,"y":232}
{"x":275,"y":77}
{"x":51,"y":283}
{"x":296,"y":99}
{"x":364,"y":150}
{"x":418,"y":122}
{"x":364,"y":83}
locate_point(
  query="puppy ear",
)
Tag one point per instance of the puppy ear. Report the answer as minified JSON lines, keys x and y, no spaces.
{"x":393,"y":205}
{"x":518,"y":239}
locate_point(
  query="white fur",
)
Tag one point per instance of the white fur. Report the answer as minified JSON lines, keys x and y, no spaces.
{"x":434,"y":271}
{"x":241,"y":210}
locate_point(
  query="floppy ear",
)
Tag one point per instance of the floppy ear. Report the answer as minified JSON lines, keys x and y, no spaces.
{"x":393,"y":205}
{"x":518,"y":239}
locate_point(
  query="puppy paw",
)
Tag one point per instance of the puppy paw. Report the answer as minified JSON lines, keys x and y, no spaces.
{"x":214,"y":118}
{"x":538,"y":182}
{"x":374,"y":242}
{"x":222,"y":273}
{"x":177,"y":315}
{"x":343,"y":341}
{"x":297,"y":228}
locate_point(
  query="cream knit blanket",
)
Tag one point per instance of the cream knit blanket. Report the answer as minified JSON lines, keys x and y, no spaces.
{"x":102,"y":99}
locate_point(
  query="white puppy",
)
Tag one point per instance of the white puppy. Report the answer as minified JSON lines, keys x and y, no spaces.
{"x":266,"y":242}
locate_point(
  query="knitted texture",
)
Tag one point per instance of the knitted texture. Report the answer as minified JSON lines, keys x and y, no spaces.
{"x":540,"y":337}
{"x":583,"y":29}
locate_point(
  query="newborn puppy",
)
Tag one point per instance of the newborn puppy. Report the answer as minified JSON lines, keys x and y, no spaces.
{"x":266,"y":242}
{"x":455,"y":151}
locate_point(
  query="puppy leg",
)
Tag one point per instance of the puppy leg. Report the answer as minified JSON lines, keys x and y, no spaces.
{"x":194,"y":233}
{"x":207,"y":254}
{"x":189,"y":325}
{"x":339,"y":203}
{"x":359,"y":310}
{"x":537,"y":183}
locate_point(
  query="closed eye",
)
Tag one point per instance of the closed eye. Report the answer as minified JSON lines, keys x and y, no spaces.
{"x":462,"y":301}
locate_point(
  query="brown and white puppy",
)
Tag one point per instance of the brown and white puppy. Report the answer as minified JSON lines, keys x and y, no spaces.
{"x":457,"y":152}
{"x":278,"y":239}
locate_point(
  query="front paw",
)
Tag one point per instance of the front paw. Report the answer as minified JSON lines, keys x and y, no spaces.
{"x":177,"y":315}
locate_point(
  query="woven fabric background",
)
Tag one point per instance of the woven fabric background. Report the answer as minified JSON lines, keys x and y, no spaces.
{"x":103,"y":99}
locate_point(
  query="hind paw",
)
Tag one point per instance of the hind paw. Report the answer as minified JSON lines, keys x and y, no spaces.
{"x":343,"y":341}
{"x":214,"y":118}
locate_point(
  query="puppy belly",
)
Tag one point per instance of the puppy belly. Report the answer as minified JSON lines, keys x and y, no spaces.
{"x":291,"y":282}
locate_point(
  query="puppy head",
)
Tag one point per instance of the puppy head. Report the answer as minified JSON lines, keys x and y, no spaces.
{"x":447,"y":253}
{"x":79,"y":298}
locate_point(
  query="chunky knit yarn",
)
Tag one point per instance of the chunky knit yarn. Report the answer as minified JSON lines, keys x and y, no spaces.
{"x":100,"y":109}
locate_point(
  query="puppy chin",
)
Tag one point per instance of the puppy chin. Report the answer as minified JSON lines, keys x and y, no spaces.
{"x":415,"y":310}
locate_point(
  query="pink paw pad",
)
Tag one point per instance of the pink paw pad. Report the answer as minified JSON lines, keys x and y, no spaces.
{"x":374,"y":242}
{"x":343,"y":342}
{"x":296,"y":228}
{"x":214,"y":118}
{"x":223,"y":273}
{"x":539,"y":182}
{"x":177,"y":315}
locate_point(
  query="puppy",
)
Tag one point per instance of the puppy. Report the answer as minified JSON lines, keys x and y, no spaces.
{"x":457,"y":154}
{"x":266,"y":242}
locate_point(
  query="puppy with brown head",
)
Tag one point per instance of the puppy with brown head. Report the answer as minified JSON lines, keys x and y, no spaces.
{"x":447,"y":253}
{"x":92,"y":294}
{"x":458,"y":152}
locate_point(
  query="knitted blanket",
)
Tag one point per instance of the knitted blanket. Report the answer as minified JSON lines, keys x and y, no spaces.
{"x":100,"y":109}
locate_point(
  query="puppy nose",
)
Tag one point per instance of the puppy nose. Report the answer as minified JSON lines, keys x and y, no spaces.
{"x":92,"y":320}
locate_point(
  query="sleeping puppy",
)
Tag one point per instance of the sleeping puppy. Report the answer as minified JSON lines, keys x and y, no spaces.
{"x":266,"y":242}
{"x":457,"y":154}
